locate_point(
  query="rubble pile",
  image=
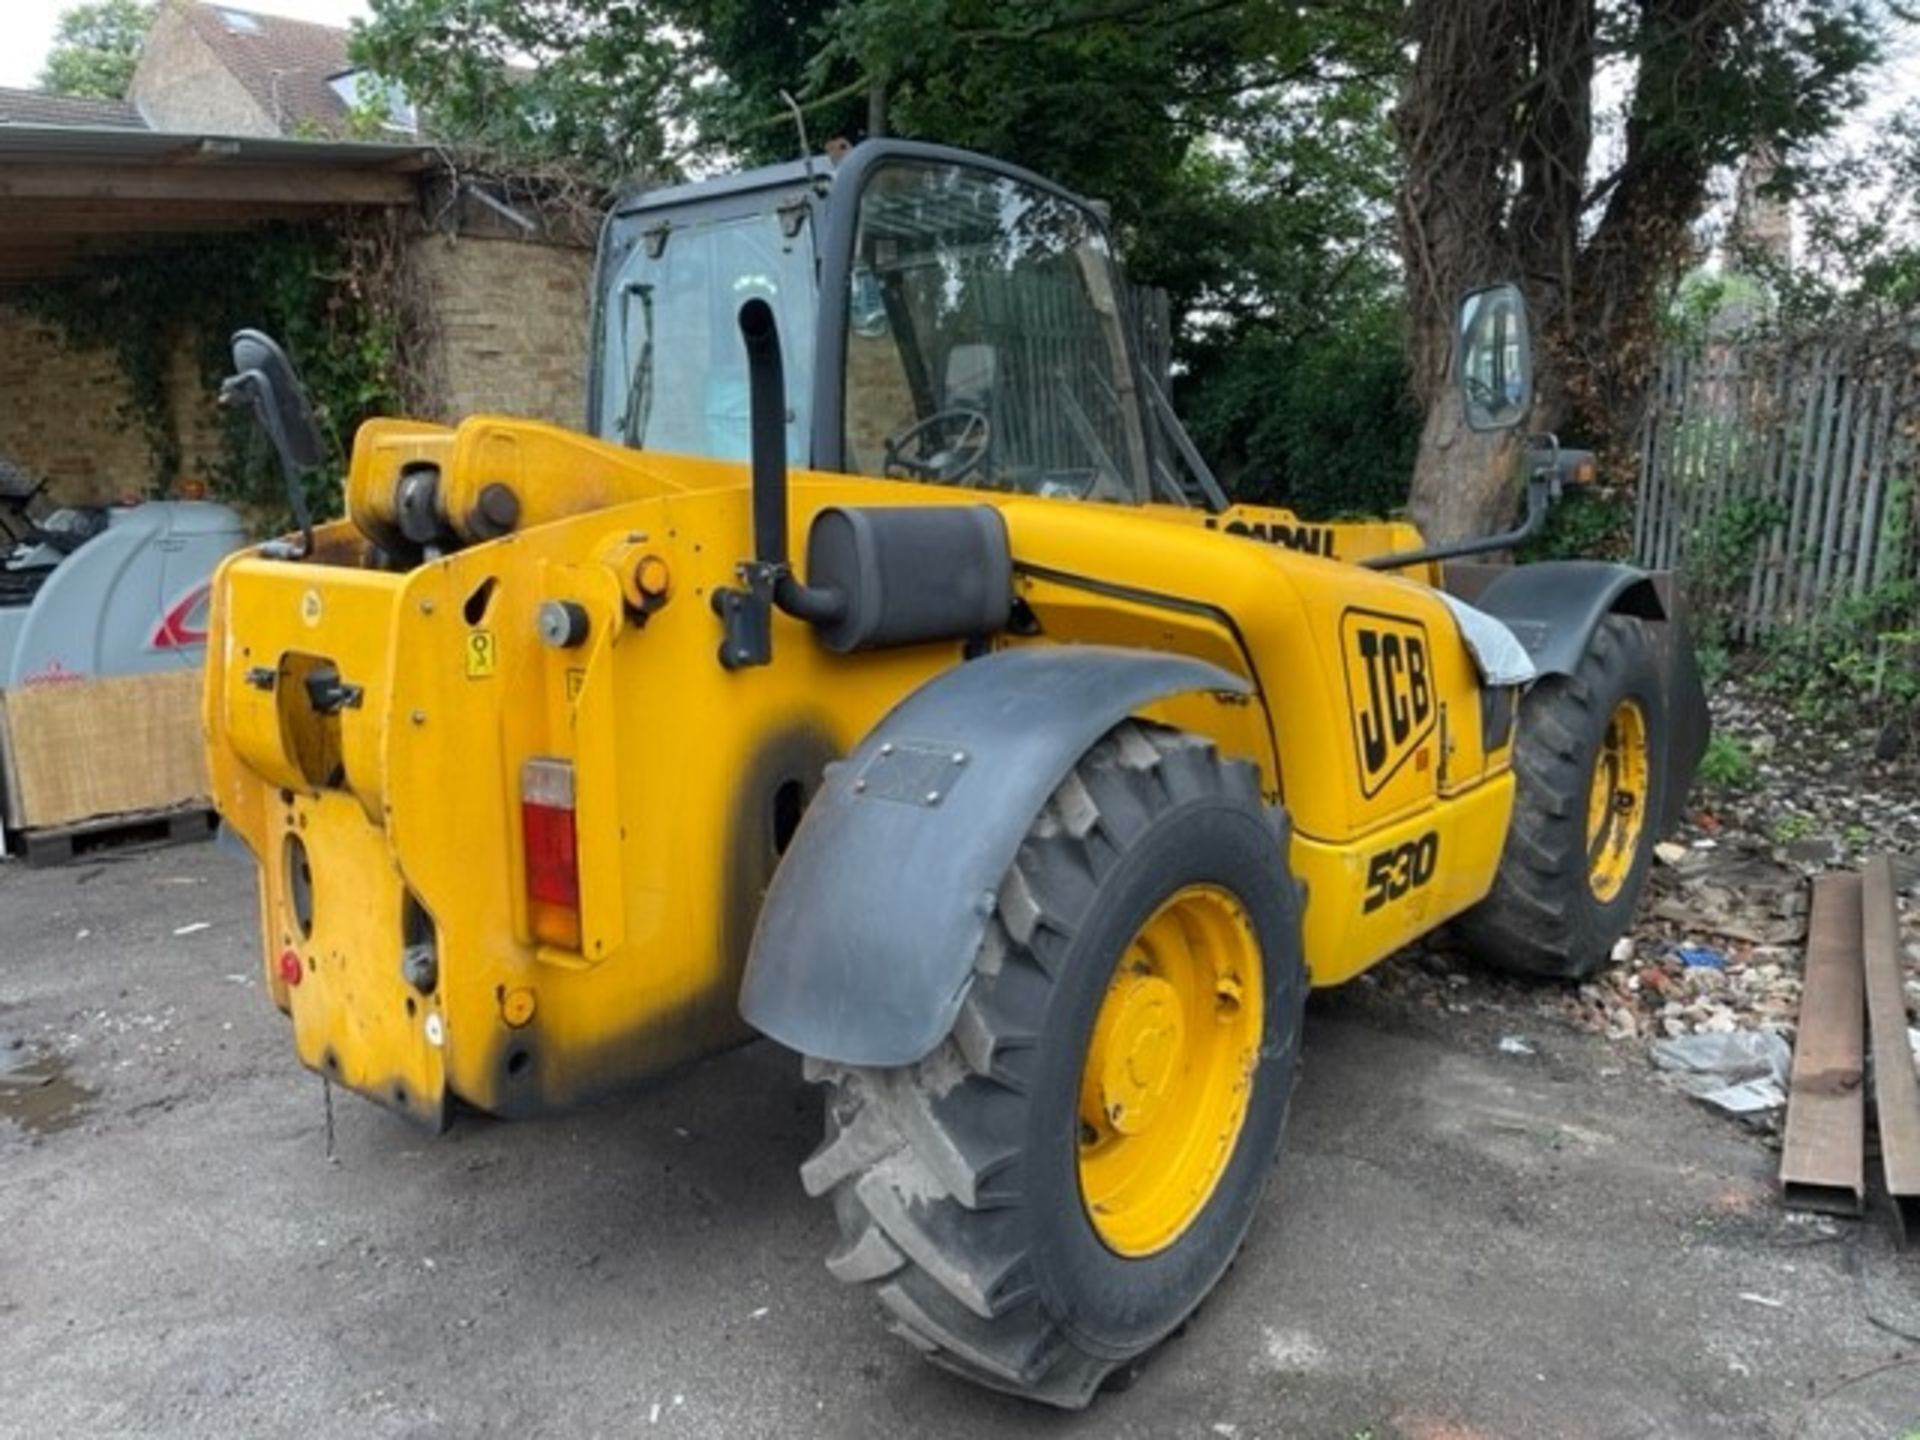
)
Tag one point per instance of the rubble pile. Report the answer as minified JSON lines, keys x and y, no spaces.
{"x":1719,"y":946}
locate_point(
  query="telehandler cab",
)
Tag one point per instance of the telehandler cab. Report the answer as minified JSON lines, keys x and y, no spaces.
{"x":1025,"y":802}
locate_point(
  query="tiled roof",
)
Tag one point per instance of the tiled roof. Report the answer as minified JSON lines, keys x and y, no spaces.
{"x":284,"y":64}
{"x":33,"y":107}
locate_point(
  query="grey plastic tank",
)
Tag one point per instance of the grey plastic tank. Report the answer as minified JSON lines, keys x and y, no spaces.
{"x":131,"y":598}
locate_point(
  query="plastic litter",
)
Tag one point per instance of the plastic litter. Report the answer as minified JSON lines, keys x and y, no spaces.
{"x":1516,"y":1045}
{"x":1743,"y":1072}
{"x":1701,"y":957}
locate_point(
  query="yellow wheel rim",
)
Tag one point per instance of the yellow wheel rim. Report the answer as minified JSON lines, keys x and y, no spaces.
{"x":1169,"y":1070}
{"x":1617,"y":801}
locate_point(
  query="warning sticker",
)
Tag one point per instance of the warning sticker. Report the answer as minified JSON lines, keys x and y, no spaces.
{"x":482,"y":654}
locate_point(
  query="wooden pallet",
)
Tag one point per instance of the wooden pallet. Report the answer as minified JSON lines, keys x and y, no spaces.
{"x":62,"y":844}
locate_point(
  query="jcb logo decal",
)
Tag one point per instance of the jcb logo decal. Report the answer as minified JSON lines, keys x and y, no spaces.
{"x":1389,"y":689}
{"x":1314,"y":539}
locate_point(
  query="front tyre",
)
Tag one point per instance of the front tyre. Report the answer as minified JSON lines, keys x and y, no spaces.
{"x":1056,"y":1187}
{"x":1590,"y":775}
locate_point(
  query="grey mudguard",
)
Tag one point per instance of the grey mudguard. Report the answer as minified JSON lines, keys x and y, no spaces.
{"x":866,"y":943}
{"x":1553,"y":606}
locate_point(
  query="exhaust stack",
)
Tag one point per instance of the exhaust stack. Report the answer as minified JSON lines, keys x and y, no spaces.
{"x":747,"y":613}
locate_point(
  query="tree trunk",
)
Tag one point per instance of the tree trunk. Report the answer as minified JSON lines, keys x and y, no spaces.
{"x":1495,"y":134}
{"x":1455,"y":147}
{"x":1467,"y":480}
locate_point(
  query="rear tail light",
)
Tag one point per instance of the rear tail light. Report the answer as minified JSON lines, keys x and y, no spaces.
{"x":553,"y":861}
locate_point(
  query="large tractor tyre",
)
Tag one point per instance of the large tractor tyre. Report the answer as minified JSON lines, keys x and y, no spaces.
{"x":1056,"y":1187}
{"x":1590,"y":768}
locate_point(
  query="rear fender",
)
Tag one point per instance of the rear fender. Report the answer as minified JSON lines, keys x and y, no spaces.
{"x":1553,"y":608}
{"x":866,"y":943}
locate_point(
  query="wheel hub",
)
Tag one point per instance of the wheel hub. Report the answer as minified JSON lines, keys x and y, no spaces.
{"x":1617,"y":797}
{"x":1141,"y":1048}
{"x":1168,"y":1070}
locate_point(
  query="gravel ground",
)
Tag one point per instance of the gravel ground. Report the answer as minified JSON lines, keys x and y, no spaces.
{"x":1459,"y":1242}
{"x":1721,"y":941}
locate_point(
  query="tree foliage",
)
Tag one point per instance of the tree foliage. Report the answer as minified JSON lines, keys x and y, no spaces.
{"x":1856,"y":260}
{"x":1243,"y":150}
{"x":592,"y":83}
{"x":95,"y":47}
{"x":1293,"y":175}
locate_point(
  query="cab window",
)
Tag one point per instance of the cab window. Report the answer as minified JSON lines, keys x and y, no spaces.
{"x":986,"y":340}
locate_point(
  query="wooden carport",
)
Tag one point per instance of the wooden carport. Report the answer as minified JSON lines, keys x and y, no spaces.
{"x":71,"y":195}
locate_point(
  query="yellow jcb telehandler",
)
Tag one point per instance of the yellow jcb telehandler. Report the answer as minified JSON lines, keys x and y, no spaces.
{"x":1025,"y":801}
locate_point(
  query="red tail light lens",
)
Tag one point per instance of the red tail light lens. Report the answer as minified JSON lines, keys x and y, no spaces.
{"x":552,"y":854}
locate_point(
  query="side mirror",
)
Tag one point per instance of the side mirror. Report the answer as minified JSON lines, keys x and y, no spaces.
{"x":1495,"y":358}
{"x":265,"y":381}
{"x":265,"y":378}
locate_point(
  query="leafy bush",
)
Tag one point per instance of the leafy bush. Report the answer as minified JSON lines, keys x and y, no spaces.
{"x":1859,"y":662}
{"x":1584,"y":525}
{"x":1726,"y":765}
{"x":1323,"y":423}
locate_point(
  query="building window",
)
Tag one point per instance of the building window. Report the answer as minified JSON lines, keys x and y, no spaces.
{"x":361,"y":90}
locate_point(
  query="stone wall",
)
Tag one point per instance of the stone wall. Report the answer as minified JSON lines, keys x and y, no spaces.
{"x":510,"y":326}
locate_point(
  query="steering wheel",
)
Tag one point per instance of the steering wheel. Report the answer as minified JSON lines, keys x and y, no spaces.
{"x":943,"y":460}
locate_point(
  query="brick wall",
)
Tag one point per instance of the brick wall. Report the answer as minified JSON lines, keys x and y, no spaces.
{"x":64,"y":417}
{"x":510,"y":318}
{"x":509,"y":323}
{"x":197,"y":418}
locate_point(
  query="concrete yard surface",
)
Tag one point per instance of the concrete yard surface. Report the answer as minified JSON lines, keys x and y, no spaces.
{"x":1459,"y":1241}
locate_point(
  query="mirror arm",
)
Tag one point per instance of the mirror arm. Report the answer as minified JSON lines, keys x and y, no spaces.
{"x":253,"y":388}
{"x":296,"y":497}
{"x":1541,"y":487}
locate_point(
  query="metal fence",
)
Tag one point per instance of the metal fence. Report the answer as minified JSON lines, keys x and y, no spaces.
{"x":1780,"y":475}
{"x":1151,"y":311}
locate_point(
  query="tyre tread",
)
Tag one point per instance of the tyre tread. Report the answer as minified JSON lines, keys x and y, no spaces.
{"x":916,"y":1194}
{"x":1539,"y":918}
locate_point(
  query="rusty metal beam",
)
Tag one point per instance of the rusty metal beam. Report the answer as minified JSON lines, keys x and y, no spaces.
{"x":1896,"y":1091}
{"x":1823,"y":1162}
